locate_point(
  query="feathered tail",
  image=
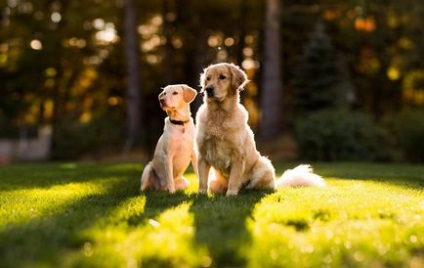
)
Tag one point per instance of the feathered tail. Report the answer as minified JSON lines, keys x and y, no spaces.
{"x":301,"y":175}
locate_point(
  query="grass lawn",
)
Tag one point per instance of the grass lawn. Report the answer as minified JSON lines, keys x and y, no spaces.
{"x":92,"y":215}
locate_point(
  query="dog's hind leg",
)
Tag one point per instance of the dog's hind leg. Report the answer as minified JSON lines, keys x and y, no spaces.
{"x":262,"y":175}
{"x":150,"y":179}
{"x":217,"y":183}
{"x":146,"y":177}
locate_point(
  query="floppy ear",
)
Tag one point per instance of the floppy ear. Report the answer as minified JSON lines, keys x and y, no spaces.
{"x":161,"y":93}
{"x":239,"y":77}
{"x":188,"y":93}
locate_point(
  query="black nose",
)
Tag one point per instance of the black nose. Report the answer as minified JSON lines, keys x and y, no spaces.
{"x":209,"y":91}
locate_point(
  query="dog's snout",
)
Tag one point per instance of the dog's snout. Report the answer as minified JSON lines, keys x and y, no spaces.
{"x":162,"y":102}
{"x":209,"y":91}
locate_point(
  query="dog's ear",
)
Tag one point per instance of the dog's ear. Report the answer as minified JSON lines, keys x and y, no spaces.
{"x":239,"y":79}
{"x":161,"y":93}
{"x":188,"y":93}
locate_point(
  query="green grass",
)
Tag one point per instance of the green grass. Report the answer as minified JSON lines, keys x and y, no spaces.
{"x":92,"y":215}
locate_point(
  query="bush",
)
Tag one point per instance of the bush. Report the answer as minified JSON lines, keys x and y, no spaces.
{"x":319,"y":82}
{"x":341,"y":135}
{"x":73,"y":139}
{"x":407,"y":127}
{"x":7,"y":130}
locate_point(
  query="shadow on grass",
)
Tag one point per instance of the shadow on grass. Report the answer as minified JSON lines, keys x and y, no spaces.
{"x":158,"y":202}
{"x":220,"y":224}
{"x":29,"y":176}
{"x":219,"y":221}
{"x":42,"y":241}
{"x":404,"y":175}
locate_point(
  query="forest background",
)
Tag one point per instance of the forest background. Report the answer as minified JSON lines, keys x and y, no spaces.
{"x":343,"y":79}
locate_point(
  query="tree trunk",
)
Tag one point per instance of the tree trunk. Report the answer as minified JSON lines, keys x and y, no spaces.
{"x":271,"y":100}
{"x":168,"y":59}
{"x":132,"y":54}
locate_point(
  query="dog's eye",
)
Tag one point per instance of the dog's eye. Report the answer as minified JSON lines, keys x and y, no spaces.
{"x":208,"y":78}
{"x":175,"y":93}
{"x":222,"y":77}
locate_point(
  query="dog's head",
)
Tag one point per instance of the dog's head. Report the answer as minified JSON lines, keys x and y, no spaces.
{"x":176,"y":96}
{"x":221,"y":80}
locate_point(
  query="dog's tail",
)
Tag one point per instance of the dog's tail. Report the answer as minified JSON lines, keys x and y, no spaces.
{"x":301,"y":175}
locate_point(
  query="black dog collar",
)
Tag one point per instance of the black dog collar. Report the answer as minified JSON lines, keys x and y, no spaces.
{"x":178,"y":122}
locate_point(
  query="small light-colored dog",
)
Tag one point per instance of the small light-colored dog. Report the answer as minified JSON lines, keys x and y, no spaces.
{"x":175,"y":148}
{"x":226,"y":143}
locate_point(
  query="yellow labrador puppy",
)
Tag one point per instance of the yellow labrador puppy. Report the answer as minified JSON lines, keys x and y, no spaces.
{"x":226,"y":143}
{"x":175,"y":148}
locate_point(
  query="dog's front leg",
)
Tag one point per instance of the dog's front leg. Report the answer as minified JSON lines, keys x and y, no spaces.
{"x":235,"y":180}
{"x":169,"y":175}
{"x":194,"y":163}
{"x":203,"y":174}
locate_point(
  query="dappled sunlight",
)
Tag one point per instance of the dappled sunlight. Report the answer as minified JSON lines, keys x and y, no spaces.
{"x":32,"y":176}
{"x":68,"y":166}
{"x":121,"y":167}
{"x":57,"y":213}
{"x":37,"y":203}
{"x":349,"y":223}
{"x":194,"y":183}
{"x":94,"y":216}
{"x":166,"y":239}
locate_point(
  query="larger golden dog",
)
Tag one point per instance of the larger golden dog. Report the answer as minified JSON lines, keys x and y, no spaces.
{"x":226,"y":143}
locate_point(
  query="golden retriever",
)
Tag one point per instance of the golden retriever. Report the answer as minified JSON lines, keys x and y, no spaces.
{"x":175,"y":148}
{"x":226,"y":143}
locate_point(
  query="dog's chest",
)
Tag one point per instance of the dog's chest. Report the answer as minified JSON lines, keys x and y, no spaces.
{"x":215,"y":132}
{"x":217,"y":129}
{"x":218,"y":153}
{"x":179,"y":140}
{"x":183,"y":136}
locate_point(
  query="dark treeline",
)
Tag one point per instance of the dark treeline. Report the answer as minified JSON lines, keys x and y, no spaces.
{"x":64,"y":64}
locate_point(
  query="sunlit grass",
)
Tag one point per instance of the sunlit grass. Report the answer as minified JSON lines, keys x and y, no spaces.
{"x":354,"y":224}
{"x":92,"y":215}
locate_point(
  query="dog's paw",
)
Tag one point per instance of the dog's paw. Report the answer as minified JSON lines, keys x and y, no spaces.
{"x":182,"y":183}
{"x":232,"y":193}
{"x":203,"y":191}
{"x":171,"y":190}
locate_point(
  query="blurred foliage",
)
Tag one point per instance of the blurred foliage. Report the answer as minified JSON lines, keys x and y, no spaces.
{"x":318,"y":81}
{"x":331,"y":135}
{"x":62,"y":61}
{"x":102,"y":135}
{"x":407,"y":128}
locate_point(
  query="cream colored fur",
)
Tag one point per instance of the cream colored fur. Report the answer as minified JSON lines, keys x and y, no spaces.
{"x":227,"y":156}
{"x":175,"y":148}
{"x":301,"y":175}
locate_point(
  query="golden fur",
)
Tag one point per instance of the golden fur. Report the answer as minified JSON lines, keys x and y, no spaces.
{"x":175,"y":148}
{"x":225,"y":142}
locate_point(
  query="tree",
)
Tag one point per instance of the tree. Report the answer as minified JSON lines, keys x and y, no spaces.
{"x":132,"y":54}
{"x":271,"y":101}
{"x":318,"y":79}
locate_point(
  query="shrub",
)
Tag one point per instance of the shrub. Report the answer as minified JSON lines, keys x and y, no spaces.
{"x":407,"y":128}
{"x":73,"y":139}
{"x":319,"y":82}
{"x":340,"y":135}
